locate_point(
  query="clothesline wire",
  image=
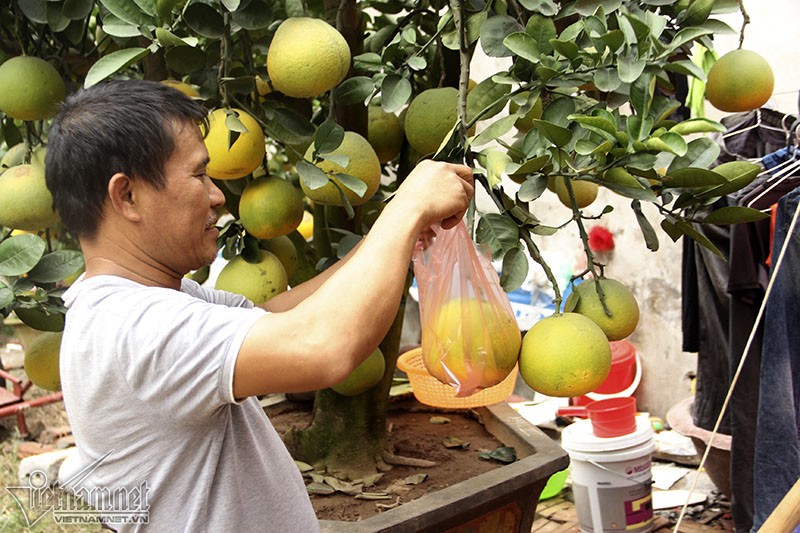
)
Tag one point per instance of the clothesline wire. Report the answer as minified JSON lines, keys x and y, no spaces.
{"x":759,"y":316}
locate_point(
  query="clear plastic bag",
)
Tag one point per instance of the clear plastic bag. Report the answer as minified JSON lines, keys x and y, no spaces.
{"x":470,"y":337}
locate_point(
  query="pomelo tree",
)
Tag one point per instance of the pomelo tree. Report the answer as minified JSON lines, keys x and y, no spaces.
{"x":596,"y":83}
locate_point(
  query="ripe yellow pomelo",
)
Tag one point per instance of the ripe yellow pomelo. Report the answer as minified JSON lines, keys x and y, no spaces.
{"x":30,"y":88}
{"x":525,"y":122}
{"x":270,"y":207}
{"x":42,"y":361}
{"x":430,"y":117}
{"x":363,"y":164}
{"x":183,"y":87}
{"x":25,"y":201}
{"x":565,"y":355}
{"x":228,"y":162}
{"x":585,"y":191}
{"x":306,"y":227}
{"x":364,"y":377}
{"x":740,"y":80}
{"x":307,"y":57}
{"x":285,"y":250}
{"x":470,"y":342}
{"x":619,"y":300}
{"x":257,"y":282}
{"x":385,"y":133}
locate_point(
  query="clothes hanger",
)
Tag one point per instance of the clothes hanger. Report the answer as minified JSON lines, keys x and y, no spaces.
{"x":786,"y":177}
{"x":758,"y":124}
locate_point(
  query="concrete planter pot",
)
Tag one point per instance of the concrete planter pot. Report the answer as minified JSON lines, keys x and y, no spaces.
{"x":502,"y":500}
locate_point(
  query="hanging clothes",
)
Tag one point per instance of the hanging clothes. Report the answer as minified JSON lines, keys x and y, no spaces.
{"x":721,"y":301}
{"x":777,"y":453}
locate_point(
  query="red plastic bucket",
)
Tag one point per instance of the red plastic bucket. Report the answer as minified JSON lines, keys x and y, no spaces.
{"x":623,"y":368}
{"x":613,"y":417}
{"x":623,"y":377}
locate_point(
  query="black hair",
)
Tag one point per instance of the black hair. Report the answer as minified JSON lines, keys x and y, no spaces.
{"x":118,"y":126}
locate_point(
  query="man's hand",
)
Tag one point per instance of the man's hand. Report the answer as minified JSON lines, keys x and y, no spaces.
{"x":440,"y":192}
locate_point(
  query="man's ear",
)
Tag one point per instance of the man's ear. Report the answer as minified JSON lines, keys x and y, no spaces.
{"x":121,"y":190}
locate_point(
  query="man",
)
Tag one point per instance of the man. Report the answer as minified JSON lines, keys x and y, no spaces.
{"x":158,"y":373}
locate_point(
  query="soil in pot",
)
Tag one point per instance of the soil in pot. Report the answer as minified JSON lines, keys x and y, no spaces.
{"x":411,"y":433}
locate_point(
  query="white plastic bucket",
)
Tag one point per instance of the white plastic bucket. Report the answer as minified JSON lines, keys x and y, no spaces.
{"x":611,"y":479}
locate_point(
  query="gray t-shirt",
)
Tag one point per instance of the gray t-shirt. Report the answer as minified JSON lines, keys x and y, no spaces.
{"x":147,"y":376}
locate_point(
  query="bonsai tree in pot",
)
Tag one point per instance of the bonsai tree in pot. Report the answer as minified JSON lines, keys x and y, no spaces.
{"x":587,"y":92}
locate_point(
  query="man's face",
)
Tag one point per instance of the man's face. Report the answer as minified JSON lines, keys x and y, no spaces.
{"x":181,"y":217}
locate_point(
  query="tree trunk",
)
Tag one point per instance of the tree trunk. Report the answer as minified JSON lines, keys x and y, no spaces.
{"x":347,"y":435}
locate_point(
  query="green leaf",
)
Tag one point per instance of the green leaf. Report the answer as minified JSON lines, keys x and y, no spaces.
{"x":329,"y":137}
{"x":167,"y":38}
{"x":630,"y":69}
{"x":542,"y":29}
{"x":613,"y":39}
{"x":313,"y":177}
{"x":112,"y":63}
{"x":738,"y":175}
{"x":697,"y":13}
{"x":668,"y":142}
{"x":548,"y":8}
{"x":628,"y":191}
{"x":514,"y":270}
{"x":648,"y":232}
{"x":503,"y":454}
{"x":353,"y":90}
{"x":6,"y":295}
{"x":530,"y":166}
{"x":288,"y":126}
{"x":567,"y":49}
{"x":339,"y":159}
{"x":641,"y":93}
{"x":606,"y":79}
{"x":590,"y":7}
{"x":368,"y":62}
{"x":395,"y":92}
{"x":352,"y":183}
{"x":20,"y":253}
{"x":56,"y":266}
{"x":495,"y":163}
{"x":185,"y":59}
{"x":498,"y":232}
{"x":597,"y":124}
{"x":256,"y":15}
{"x":684,"y":36}
{"x":685,"y":228}
{"x":76,"y":10}
{"x":294,"y":8}
{"x":487,"y":95}
{"x":687,"y":68}
{"x":493,"y":33}
{"x":697,"y":125}
{"x":204,"y":19}
{"x":556,"y":134}
{"x":35,"y":10}
{"x":734,"y":215}
{"x":523,"y":45}
{"x":119,"y":28}
{"x":691,"y":177}
{"x":532,"y":188}
{"x":128,"y":11}
{"x":496,"y":129}
{"x":417,"y":63}
{"x":701,"y":153}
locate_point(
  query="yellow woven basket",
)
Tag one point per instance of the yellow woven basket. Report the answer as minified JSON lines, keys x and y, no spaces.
{"x":430,"y":391}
